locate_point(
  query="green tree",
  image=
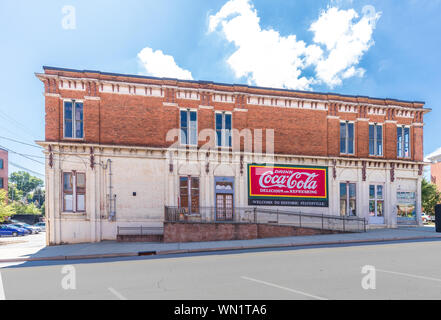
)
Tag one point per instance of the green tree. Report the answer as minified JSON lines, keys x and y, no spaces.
{"x":25,"y":182}
{"x":38,"y":197}
{"x":5,"y":209}
{"x":429,"y":197}
{"x":13,"y":193}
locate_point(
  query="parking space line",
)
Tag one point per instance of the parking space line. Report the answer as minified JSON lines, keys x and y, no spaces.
{"x":2,"y":290}
{"x":409,"y":275}
{"x":284,"y":288}
{"x":117,"y":294}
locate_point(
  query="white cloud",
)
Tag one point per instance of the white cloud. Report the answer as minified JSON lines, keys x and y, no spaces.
{"x":158,"y":64}
{"x":345,"y":41}
{"x":266,"y":58}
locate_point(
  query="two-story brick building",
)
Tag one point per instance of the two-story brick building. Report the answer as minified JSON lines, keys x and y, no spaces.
{"x":4,"y":169}
{"x":120,"y":148}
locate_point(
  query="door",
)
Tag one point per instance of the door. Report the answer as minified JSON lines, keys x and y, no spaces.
{"x":224,"y":207}
{"x":376,"y":204}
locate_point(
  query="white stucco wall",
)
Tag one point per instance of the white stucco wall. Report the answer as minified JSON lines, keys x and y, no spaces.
{"x":147,"y":172}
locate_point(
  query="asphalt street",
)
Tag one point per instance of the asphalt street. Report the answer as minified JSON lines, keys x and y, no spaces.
{"x":405,"y":270}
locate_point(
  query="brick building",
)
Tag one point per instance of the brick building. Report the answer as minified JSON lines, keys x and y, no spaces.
{"x":122,"y":147}
{"x":4,"y":169}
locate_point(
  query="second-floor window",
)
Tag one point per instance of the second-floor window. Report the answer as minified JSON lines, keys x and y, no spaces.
{"x":375,"y":140}
{"x":223,"y":129}
{"x":1,"y":163}
{"x":346,"y":137}
{"x":189,"y":134}
{"x":73,"y":119}
{"x":403,"y":142}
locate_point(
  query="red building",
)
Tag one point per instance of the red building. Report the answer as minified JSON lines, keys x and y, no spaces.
{"x":4,"y":169}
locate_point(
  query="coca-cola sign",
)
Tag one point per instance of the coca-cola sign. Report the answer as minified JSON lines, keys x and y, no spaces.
{"x":285,"y":185}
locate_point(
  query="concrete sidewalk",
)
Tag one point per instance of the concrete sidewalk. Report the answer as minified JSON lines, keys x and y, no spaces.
{"x":17,"y":252}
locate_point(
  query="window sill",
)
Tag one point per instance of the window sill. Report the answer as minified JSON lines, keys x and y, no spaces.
{"x":375,"y":156}
{"x":70,"y":214}
{"x":347,"y":155}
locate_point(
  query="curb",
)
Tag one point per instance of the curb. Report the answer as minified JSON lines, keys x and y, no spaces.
{"x":200,"y":250}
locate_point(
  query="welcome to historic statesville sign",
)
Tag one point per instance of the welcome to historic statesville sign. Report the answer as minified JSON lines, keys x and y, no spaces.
{"x":286,"y":185}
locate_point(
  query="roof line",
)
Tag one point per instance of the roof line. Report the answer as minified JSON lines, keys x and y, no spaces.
{"x":223,"y":84}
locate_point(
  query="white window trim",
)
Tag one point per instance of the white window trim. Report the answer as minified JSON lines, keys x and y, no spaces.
{"x":223,"y":113}
{"x":347,"y":138}
{"x":188,"y":110}
{"x":376,"y":124}
{"x":73,"y":120}
{"x":402,"y":127}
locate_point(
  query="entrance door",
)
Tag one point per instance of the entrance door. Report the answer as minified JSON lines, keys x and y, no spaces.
{"x":376,"y":204}
{"x":224,"y":207}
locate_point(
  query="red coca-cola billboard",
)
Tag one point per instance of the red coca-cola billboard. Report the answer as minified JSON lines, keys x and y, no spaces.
{"x":287,"y":185}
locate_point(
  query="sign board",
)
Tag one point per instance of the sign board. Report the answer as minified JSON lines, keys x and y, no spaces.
{"x":287,"y":185}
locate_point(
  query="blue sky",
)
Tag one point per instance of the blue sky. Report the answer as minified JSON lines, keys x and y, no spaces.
{"x":400,"y":58}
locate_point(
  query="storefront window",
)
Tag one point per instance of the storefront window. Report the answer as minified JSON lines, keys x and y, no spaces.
{"x":348,"y":199}
{"x":406,"y":206}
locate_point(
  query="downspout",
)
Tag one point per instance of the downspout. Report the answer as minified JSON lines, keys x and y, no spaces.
{"x":111,"y":208}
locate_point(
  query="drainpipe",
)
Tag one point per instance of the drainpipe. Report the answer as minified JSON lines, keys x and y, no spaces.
{"x":111,"y":208}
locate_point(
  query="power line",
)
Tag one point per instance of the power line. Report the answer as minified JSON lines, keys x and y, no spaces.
{"x":24,"y":156}
{"x":26,"y":169}
{"x":17,"y":123}
{"x":28,"y":144}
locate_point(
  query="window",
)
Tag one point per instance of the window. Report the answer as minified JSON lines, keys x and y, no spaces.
{"x":74,"y":191}
{"x":189,"y":194}
{"x":73,"y":119}
{"x":348,"y":199}
{"x":189,"y":127}
{"x":406,"y":206}
{"x":376,"y":201}
{"x":1,"y":163}
{"x":1,"y":182}
{"x":346,"y":137}
{"x":375,"y":140}
{"x":403,"y":142}
{"x":223,"y":129}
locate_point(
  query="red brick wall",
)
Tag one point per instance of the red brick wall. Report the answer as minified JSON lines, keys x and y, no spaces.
{"x":4,"y":171}
{"x":196,"y":232}
{"x":123,"y":119}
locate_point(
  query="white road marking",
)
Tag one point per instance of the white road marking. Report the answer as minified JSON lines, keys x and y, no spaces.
{"x":117,"y":294}
{"x":2,"y":290}
{"x":409,"y":275}
{"x":284,"y":288}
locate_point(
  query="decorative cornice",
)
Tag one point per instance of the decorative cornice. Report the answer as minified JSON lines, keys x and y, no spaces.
{"x":209,"y":86}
